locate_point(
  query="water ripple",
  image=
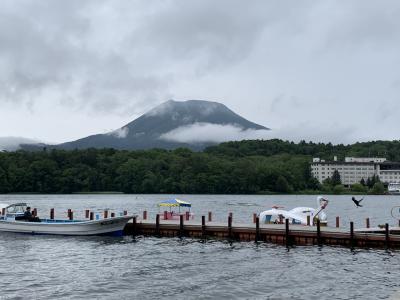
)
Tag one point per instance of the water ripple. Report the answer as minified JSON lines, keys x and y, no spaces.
{"x":172,"y":268}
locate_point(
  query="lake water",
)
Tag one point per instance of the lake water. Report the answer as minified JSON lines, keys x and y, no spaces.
{"x":150,"y":268}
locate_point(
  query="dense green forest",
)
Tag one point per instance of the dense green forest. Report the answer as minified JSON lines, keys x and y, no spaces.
{"x":245,"y":167}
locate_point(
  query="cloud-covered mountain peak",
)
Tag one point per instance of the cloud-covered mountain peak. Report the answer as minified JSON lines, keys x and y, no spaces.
{"x":175,"y":108}
{"x":174,"y":124}
{"x":180,"y":113}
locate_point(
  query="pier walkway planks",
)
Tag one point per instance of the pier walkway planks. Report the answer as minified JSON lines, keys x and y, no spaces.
{"x":274,"y":233}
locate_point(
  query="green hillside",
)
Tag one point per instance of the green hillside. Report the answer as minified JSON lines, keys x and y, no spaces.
{"x":246,"y":167}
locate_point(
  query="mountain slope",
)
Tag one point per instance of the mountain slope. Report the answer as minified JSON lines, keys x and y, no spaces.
{"x":151,"y":129}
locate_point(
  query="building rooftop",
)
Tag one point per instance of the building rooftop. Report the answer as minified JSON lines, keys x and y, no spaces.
{"x":351,"y":160}
{"x":332,"y":162}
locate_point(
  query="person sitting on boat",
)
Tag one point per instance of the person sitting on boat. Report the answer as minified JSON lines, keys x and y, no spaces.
{"x":29,"y":217}
{"x":28,"y":214}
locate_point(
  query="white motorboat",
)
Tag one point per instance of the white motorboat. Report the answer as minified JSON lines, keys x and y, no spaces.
{"x":297,"y":215}
{"x":394,"y":188}
{"x":11,"y":222}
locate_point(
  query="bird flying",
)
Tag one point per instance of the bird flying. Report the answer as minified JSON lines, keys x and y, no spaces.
{"x":357,"y":202}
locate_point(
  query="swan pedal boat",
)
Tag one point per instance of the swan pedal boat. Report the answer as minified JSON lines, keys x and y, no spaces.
{"x":297,"y":215}
{"x":110,"y":226}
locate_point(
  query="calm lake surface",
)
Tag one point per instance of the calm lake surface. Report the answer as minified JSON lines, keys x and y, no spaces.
{"x":150,"y":268}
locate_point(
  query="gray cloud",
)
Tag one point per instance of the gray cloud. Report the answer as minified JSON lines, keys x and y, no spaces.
{"x":207,"y":34}
{"x":13,"y":143}
{"x":207,"y":132}
{"x":366,"y":25}
{"x":53,"y":51}
{"x":278,"y":63}
{"x":120,"y":133}
{"x":336,"y":134}
{"x":104,"y":55}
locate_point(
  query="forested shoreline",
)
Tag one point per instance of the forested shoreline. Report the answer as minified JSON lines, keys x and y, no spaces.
{"x":246,"y":167}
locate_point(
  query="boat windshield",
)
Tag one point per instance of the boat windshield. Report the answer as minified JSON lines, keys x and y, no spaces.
{"x":16,"y":208}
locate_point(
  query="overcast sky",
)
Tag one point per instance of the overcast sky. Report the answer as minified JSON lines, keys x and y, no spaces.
{"x":313,"y":70}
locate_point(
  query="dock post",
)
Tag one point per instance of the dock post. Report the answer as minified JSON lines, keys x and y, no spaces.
{"x":230,"y":226}
{"x":352,"y":235}
{"x":125,"y":212}
{"x":308,"y":220}
{"x":209,"y":216}
{"x":337,"y":222}
{"x":112,"y":215}
{"x":287,"y":233}
{"x":367,"y":222}
{"x":187,"y":216}
{"x":203,"y":226}
{"x":257,"y":229}
{"x":165,"y":215}
{"x":71,"y":215}
{"x":254,"y":218}
{"x":145,"y":215}
{"x":387,"y":240}
{"x":3,"y":211}
{"x":51,"y":213}
{"x":86,"y":213}
{"x":105,"y":214}
{"x":134,"y":226}
{"x":91,"y":216}
{"x":157,"y":224}
{"x":181,"y":226}
{"x":318,"y":232}
{"x":35,"y":212}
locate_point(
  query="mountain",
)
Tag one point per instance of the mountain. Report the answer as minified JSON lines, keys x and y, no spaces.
{"x":172,"y":125}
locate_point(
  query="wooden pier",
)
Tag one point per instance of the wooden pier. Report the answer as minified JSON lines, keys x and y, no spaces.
{"x":284,"y":234}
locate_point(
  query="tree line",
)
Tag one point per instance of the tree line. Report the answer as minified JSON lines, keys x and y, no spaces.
{"x":246,"y":167}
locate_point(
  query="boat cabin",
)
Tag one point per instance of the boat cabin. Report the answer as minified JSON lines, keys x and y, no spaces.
{"x":13,"y":211}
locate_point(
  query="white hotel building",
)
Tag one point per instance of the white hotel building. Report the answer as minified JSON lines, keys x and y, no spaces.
{"x":353,"y":169}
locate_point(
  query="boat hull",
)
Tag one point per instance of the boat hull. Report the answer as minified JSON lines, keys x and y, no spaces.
{"x":112,"y":226}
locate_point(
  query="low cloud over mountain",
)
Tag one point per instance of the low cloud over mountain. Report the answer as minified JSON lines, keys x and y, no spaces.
{"x":14,"y":143}
{"x":213,"y":133}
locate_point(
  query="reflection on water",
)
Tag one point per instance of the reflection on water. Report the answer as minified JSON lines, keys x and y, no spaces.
{"x":243,"y":204}
{"x":149,"y":268}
